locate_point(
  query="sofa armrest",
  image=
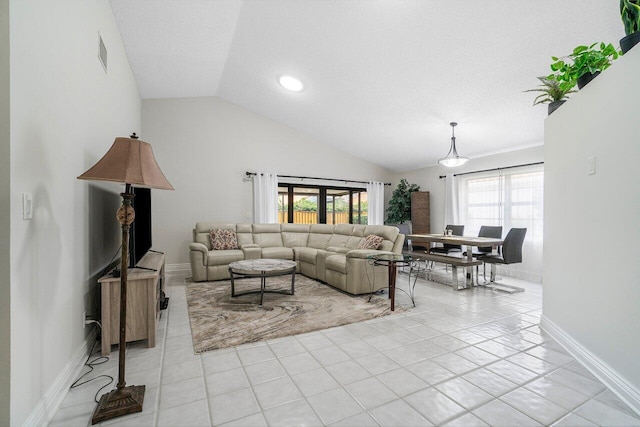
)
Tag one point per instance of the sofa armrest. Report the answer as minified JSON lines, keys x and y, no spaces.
{"x":338,"y":249}
{"x":198,"y":247}
{"x":198,"y":252}
{"x":364,"y":253}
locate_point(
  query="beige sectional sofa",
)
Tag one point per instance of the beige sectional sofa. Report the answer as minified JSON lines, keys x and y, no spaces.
{"x":325,"y":252}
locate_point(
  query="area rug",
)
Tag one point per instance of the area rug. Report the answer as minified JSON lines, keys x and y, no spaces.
{"x":220,"y":321}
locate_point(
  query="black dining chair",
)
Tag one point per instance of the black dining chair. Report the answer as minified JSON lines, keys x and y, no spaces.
{"x":511,"y":254}
{"x":494,"y":231}
{"x":446,"y":249}
{"x":456,"y":230}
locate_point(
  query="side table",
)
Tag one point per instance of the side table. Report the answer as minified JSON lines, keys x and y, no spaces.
{"x":392,"y":261}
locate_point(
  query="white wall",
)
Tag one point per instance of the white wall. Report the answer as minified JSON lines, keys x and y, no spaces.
{"x":65,"y":114}
{"x":205,"y":145}
{"x":428,"y":178}
{"x":592,"y":227}
{"x":5,"y":288}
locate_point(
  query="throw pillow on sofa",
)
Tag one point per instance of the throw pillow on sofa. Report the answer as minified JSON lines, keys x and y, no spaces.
{"x":223,"y":239}
{"x":370,"y":242}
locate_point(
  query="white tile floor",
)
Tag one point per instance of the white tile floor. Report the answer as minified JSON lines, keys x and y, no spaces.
{"x":459,"y":358}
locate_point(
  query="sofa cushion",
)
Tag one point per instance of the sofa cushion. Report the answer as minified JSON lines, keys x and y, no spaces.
{"x":370,"y":242}
{"x":295,"y":235}
{"x":341,"y":235}
{"x":389,"y":234}
{"x":344,"y":229}
{"x":245,"y":234}
{"x":223,"y":239}
{"x":338,"y":241}
{"x":267,"y":235}
{"x":319,"y":235}
{"x":201,"y":233}
{"x":306,"y":254}
{"x":224,"y":257}
{"x":277,"y":253}
{"x":339,"y":250}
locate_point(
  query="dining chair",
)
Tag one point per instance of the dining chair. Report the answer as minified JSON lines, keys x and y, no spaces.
{"x":511,"y":254}
{"x":456,"y":230}
{"x":494,"y":231}
{"x":446,"y":249}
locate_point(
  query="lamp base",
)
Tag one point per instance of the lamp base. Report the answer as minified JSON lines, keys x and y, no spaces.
{"x":118,"y":402}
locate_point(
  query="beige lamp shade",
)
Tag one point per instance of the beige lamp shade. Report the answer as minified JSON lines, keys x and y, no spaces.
{"x":129,"y":161}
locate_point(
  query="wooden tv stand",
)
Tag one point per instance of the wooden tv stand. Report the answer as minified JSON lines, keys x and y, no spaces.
{"x":143,"y":302}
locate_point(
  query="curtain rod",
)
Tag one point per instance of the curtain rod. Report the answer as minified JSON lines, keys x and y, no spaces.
{"x":313,"y":177}
{"x":495,"y":169}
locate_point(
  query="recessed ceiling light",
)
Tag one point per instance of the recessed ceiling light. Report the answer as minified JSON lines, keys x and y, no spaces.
{"x":291,"y":83}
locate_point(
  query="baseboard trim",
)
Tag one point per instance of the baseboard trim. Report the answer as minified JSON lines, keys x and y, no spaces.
{"x":605,"y":373}
{"x":177,"y":271}
{"x":518,"y":274}
{"x":55,"y":394}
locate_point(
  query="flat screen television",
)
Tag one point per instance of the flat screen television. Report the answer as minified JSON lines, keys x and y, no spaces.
{"x":140,"y":232}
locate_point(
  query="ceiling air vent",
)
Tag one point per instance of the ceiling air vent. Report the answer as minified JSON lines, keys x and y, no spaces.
{"x":102,"y":53}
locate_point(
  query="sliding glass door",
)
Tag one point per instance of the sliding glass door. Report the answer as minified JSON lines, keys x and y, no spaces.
{"x":314,"y":204}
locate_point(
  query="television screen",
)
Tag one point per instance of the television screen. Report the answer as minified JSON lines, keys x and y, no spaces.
{"x":140,"y":232}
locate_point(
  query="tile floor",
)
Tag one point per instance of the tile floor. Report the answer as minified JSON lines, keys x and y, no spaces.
{"x":466,"y":358}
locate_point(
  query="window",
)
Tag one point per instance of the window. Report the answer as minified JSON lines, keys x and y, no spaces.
{"x":309,"y":204}
{"x":513,"y":198}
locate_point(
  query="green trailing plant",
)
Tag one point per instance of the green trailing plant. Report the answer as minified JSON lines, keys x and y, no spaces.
{"x":630,"y":14}
{"x":399,"y":209}
{"x":550,"y":91}
{"x":584,"y":59}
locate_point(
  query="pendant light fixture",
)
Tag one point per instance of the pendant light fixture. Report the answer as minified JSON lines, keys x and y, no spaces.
{"x":453,"y":159}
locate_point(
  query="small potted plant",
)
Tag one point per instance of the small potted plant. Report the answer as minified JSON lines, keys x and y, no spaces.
{"x":583,"y":64}
{"x":551,"y":93}
{"x":630,"y":14}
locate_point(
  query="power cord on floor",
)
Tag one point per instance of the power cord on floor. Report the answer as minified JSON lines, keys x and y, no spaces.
{"x":95,"y":362}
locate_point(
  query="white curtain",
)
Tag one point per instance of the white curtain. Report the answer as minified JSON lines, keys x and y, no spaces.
{"x":510,"y":198}
{"x":375,"y":197}
{"x":265,"y":198}
{"x":451,"y":213}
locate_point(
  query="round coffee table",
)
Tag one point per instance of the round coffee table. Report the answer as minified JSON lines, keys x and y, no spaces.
{"x":262,"y":268}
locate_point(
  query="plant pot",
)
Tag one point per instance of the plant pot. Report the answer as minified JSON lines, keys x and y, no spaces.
{"x":627,"y":42}
{"x":584,"y":79}
{"x":553,"y":106}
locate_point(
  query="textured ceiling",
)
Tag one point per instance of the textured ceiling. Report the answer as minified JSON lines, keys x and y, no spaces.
{"x":383,"y":79}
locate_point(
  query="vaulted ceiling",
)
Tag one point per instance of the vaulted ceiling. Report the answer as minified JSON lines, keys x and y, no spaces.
{"x":382,"y":79}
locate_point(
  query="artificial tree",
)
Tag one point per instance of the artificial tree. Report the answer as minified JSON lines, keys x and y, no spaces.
{"x":399,"y":210}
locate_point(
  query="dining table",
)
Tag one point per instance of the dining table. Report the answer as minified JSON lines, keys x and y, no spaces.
{"x":469,"y":242}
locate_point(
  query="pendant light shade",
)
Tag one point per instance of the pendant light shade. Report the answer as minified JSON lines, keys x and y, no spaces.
{"x":452,"y":158}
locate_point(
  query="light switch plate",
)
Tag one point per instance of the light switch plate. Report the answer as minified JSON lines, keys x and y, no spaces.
{"x":27,"y":206}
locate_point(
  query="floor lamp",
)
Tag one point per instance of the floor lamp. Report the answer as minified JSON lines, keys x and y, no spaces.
{"x":129,"y":161}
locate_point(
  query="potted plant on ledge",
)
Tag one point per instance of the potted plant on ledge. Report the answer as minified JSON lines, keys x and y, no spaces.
{"x":551,"y":93}
{"x":582,"y":65}
{"x":630,"y":14}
